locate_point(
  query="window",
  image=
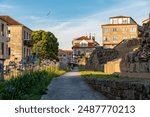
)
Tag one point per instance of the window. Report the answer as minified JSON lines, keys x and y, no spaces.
{"x":2,"y":29}
{"x":114,"y":21}
{"x":24,"y":52}
{"x":114,"y":29}
{"x":124,"y":21}
{"x":24,"y":35}
{"x":27,"y":35}
{"x":27,"y":52}
{"x":9,"y":51}
{"x":105,"y":30}
{"x":2,"y":48}
{"x":115,"y":38}
{"x":124,"y":29}
{"x":83,"y":44}
{"x":79,"y":52}
{"x":132,"y":29}
{"x":106,"y":39}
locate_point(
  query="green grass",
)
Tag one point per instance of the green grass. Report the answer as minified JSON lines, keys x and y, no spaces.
{"x":102,"y":75}
{"x":96,"y":74}
{"x":29,"y":86}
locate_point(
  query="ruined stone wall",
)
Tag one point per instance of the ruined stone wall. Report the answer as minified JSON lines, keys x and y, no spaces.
{"x":121,"y":89}
{"x":139,"y":61}
{"x":99,"y":57}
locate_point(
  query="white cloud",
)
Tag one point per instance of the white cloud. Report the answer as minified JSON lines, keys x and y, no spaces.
{"x":5,"y":6}
{"x":66,"y":31}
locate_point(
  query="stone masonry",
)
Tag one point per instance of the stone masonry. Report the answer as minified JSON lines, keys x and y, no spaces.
{"x":121,"y":89}
{"x":139,"y":61}
{"x":99,"y":57}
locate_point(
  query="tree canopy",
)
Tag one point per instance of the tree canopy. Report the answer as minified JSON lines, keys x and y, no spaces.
{"x":45,"y":45}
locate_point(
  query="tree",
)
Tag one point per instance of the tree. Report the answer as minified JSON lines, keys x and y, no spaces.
{"x":45,"y":45}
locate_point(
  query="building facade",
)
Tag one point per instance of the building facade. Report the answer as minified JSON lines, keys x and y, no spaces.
{"x":83,"y":46}
{"x":20,"y":44}
{"x":4,"y":39}
{"x":120,"y":28}
{"x":65,"y":58}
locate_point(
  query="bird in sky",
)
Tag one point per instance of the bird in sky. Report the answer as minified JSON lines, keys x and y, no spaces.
{"x":48,"y":13}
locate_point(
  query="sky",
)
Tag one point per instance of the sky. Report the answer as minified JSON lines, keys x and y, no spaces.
{"x":70,"y":19}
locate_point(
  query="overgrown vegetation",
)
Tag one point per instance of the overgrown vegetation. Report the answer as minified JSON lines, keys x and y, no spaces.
{"x":30,"y":85}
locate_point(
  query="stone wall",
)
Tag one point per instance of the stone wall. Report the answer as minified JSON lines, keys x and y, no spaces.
{"x":121,"y":89}
{"x":139,"y":61}
{"x":99,"y":57}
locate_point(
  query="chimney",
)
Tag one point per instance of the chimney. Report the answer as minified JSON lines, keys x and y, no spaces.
{"x":90,"y":36}
{"x":93,"y":38}
{"x":86,"y":35}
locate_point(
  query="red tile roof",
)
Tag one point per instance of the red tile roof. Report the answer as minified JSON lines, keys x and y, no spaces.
{"x":88,"y":39}
{"x":10,"y":20}
{"x":83,"y":38}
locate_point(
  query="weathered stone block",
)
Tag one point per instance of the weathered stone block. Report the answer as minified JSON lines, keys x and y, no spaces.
{"x":137,"y":67}
{"x":144,"y":67}
{"x":132,"y":67}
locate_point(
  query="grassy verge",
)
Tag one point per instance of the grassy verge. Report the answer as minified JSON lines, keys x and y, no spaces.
{"x":96,"y":74}
{"x":101,"y":75}
{"x":29,"y":86}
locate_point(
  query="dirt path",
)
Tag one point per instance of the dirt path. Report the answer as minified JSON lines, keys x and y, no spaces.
{"x":71,"y":86}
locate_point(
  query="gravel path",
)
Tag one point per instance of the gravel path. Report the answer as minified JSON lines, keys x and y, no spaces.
{"x":71,"y":86}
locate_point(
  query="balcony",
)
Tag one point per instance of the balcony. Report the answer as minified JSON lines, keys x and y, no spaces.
{"x":28,"y":43}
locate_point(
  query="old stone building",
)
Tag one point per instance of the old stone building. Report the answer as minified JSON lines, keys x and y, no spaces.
{"x":83,"y":46}
{"x":65,"y":58}
{"x":4,"y":39}
{"x":20,"y":43}
{"x":120,"y":28}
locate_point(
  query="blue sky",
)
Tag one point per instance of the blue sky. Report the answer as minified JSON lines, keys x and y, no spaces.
{"x":70,"y":19}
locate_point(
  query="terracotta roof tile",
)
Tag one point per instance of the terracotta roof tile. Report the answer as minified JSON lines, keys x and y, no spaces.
{"x":83,"y":38}
{"x":10,"y":20}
